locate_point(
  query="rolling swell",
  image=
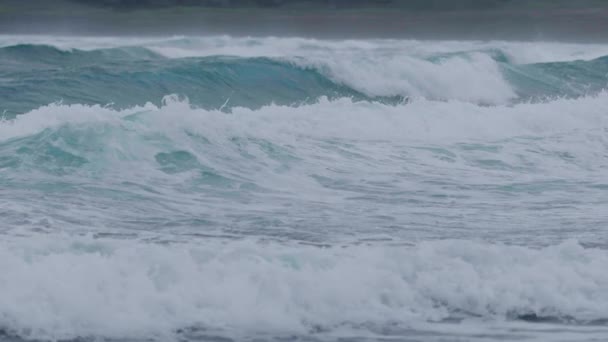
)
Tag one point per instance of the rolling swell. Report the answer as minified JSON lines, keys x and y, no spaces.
{"x":34,"y":75}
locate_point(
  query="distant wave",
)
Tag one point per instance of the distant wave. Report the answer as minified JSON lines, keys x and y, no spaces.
{"x":35,"y":75}
{"x":131,"y":76}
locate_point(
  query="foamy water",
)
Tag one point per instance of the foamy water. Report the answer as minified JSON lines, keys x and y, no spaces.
{"x":279,"y":188}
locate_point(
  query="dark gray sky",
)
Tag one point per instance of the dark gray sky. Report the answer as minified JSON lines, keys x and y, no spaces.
{"x":566,"y":20}
{"x":432,"y":5}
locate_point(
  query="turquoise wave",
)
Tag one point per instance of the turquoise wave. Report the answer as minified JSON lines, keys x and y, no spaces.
{"x":35,"y":75}
{"x":563,"y":79}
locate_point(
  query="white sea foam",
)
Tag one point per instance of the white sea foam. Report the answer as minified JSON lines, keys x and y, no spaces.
{"x":531,"y":137}
{"x":476,"y":78}
{"x":420,"y":120}
{"x":333,"y":156}
{"x":65,"y":287}
{"x":336,"y":173}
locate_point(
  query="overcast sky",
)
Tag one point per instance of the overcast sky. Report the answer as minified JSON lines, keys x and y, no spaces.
{"x":568,"y":20}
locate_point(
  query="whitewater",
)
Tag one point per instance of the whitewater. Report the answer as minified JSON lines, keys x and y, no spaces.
{"x":289,"y":189}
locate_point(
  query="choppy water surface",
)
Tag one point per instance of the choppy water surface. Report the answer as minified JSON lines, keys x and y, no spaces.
{"x":283,"y":189}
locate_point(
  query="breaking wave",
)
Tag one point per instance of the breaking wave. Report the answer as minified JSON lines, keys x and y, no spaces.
{"x":214,"y":77}
{"x":64,"y":288}
{"x":280,"y":189}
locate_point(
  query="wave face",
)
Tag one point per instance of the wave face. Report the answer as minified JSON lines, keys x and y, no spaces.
{"x":222,"y":73}
{"x":197,"y":189}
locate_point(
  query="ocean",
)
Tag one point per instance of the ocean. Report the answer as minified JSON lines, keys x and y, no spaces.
{"x":287,"y":189}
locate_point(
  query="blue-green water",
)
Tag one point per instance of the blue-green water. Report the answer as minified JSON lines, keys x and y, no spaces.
{"x":33,"y":75}
{"x":227,"y":188}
